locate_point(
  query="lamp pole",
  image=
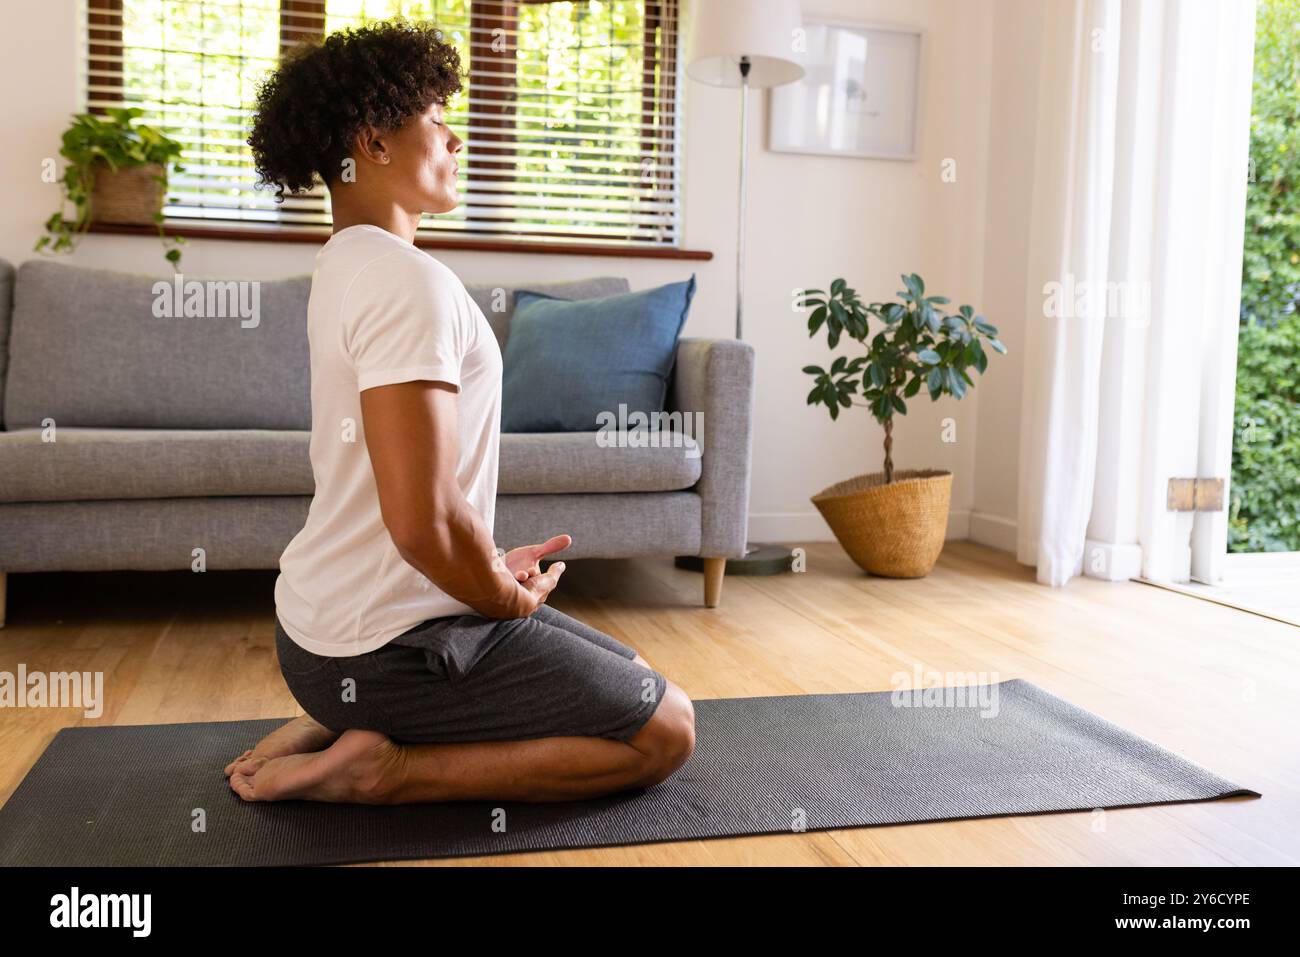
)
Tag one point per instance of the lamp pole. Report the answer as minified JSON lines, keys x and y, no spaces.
{"x":755,"y":35}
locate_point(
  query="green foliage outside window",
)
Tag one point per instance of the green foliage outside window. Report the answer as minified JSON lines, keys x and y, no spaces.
{"x":195,"y":68}
{"x":1265,"y":499}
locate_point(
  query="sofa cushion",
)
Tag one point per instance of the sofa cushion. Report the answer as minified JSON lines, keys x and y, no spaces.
{"x":86,"y":464}
{"x":92,"y":347}
{"x":92,"y":464}
{"x":133,"y":369}
{"x":498,"y":302}
{"x":542,"y":462}
{"x":568,"y":364}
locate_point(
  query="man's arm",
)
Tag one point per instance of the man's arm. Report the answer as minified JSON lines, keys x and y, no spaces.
{"x":411,"y":433}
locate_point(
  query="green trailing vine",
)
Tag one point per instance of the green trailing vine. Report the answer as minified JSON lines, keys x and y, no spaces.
{"x":116,"y":141}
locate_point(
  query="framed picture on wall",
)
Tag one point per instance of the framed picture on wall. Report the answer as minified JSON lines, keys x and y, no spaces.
{"x":858,"y":97}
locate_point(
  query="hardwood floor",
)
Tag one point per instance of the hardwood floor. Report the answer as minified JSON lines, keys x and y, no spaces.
{"x":1217,"y":685}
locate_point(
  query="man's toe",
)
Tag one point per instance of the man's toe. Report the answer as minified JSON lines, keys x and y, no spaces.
{"x":243,"y":786}
{"x":231,"y":766}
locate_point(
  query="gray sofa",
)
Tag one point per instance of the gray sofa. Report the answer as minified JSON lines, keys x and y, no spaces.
{"x":176,"y":434}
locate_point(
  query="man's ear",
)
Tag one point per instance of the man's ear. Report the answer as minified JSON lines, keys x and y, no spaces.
{"x":370,"y":145}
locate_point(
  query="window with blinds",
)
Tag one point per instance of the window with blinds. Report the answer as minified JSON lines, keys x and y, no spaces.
{"x":568,"y":115}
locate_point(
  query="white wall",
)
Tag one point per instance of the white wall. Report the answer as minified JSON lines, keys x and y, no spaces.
{"x":809,"y":219}
{"x":1012,"y":138}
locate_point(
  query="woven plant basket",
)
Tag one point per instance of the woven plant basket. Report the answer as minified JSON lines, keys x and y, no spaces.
{"x":895,"y":530}
{"x":131,"y":195}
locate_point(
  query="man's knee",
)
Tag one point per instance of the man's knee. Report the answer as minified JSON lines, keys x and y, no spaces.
{"x":668,"y":739}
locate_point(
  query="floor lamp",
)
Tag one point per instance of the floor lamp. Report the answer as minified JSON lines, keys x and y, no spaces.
{"x":746,"y":44}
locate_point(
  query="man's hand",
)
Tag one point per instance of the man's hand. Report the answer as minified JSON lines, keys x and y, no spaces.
{"x":525,"y":562}
{"x":538,"y":588}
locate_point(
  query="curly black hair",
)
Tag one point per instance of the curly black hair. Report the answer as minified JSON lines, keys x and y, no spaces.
{"x":310,"y":109}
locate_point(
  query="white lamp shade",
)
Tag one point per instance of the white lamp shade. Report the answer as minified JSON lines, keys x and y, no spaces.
{"x":722,"y":31}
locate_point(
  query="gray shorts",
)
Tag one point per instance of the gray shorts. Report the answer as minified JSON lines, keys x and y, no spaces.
{"x":470,"y":678}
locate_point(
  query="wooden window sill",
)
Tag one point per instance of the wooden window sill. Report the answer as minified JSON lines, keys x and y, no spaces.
{"x":274,"y":233}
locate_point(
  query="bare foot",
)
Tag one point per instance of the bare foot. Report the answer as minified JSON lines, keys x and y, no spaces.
{"x":361,"y":767}
{"x":300,"y":736}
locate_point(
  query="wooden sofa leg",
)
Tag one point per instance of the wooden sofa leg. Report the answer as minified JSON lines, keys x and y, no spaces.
{"x":714,"y":568}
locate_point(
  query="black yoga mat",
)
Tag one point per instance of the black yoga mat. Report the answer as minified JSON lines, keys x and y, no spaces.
{"x":134,"y":795}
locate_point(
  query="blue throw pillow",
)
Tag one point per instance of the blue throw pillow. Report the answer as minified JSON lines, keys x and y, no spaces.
{"x":566,"y":361}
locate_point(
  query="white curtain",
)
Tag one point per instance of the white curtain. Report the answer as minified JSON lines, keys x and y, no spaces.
{"x":1139,"y":199}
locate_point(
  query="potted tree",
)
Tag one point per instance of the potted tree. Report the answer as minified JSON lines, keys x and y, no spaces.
{"x":117,"y":172}
{"x":892,"y":523}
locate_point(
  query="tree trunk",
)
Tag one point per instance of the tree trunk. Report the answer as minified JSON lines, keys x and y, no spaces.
{"x":889,"y":449}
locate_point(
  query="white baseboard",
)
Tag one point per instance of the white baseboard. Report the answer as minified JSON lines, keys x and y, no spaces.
{"x":1111,"y":562}
{"x":792,"y":527}
{"x":993,"y":530}
{"x":789,"y":527}
{"x":958,"y":525}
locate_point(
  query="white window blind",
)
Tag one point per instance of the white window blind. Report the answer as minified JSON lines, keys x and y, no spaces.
{"x":568,"y":114}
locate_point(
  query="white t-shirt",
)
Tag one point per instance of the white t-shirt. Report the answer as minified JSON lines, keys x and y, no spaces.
{"x":381,"y":311}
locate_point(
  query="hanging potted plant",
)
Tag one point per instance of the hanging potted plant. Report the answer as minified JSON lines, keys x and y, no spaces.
{"x":893,"y":523}
{"x":117,"y":172}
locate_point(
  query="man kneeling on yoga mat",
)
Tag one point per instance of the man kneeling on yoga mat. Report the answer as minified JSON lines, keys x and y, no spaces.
{"x":427,"y":661}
